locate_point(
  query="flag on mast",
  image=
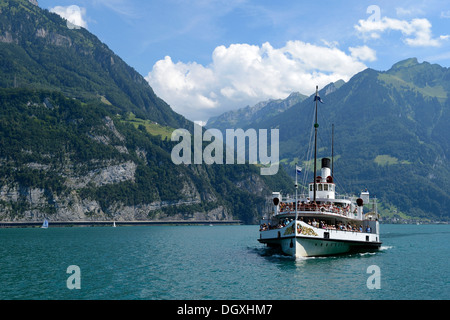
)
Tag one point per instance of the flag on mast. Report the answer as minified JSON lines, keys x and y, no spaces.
{"x":317,"y":98}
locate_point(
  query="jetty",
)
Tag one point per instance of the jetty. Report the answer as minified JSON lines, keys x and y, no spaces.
{"x":30,"y":224}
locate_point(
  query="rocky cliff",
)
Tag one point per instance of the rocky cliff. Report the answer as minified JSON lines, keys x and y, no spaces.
{"x":65,"y":160}
{"x":84,"y":137}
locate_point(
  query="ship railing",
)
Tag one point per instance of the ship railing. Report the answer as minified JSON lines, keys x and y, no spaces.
{"x":265,"y":226}
{"x":341,"y":227}
{"x":320,"y":225}
{"x":305,"y":196}
{"x":342,"y":211}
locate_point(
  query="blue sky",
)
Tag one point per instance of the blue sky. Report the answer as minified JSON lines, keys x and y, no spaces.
{"x":206,"y":57}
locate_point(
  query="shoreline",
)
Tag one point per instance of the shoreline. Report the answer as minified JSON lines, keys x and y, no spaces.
{"x":30,"y":224}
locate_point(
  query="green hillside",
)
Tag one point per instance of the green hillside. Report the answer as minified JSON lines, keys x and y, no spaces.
{"x":67,"y":160}
{"x":39,"y":51}
{"x":84,"y":137}
{"x":391,"y":136}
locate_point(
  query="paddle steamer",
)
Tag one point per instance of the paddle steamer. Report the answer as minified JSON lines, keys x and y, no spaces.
{"x":320,"y":223}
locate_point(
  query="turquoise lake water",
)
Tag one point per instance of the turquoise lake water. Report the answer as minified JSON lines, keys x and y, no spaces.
{"x":215,"y":263}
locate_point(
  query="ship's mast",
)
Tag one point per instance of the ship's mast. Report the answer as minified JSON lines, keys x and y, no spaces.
{"x":332,"y":152}
{"x":316,"y":126}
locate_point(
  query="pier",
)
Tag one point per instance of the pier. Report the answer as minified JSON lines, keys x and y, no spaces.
{"x":30,"y":224}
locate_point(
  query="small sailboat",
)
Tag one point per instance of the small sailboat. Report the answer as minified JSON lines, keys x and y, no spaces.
{"x":114,"y":224}
{"x":45,"y":224}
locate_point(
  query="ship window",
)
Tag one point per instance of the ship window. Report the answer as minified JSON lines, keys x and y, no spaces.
{"x":325,"y":187}
{"x":320,"y":187}
{"x":310,"y":187}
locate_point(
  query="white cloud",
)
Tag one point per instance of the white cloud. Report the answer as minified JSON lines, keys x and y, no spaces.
{"x":417,"y":31}
{"x":73,"y":14}
{"x":244,"y":74}
{"x":363,"y":53}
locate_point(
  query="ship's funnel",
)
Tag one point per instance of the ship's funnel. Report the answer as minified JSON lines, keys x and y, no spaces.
{"x":326,"y":171}
{"x":326,"y":163}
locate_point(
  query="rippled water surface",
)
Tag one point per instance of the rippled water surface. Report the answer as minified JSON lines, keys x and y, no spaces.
{"x":219,"y":262}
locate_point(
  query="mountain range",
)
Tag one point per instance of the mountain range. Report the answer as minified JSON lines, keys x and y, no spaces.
{"x":84,"y":137}
{"x":391,"y":135}
{"x":250,"y":115}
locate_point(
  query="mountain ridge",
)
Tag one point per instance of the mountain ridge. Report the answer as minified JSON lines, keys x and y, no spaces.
{"x":31,"y":35}
{"x":83,"y":137}
{"x":257,"y":113}
{"x":391,"y":136}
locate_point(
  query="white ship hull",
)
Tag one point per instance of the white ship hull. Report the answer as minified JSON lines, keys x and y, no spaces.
{"x":308,"y":241}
